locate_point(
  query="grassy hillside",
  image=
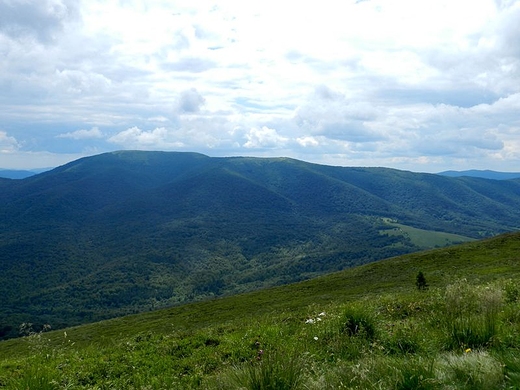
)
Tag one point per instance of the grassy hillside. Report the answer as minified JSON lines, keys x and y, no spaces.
{"x":364,"y":328}
{"x":425,"y":238}
{"x":128,"y":232}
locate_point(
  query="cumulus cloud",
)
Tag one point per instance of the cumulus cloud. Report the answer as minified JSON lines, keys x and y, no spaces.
{"x":7,"y":143}
{"x":264,"y":138}
{"x":307,"y":141}
{"x":134,"y":137}
{"x":82,"y":134}
{"x":78,"y":81}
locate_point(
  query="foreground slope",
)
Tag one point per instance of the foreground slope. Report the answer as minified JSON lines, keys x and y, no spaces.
{"x":125,"y":232}
{"x":363,"y":328}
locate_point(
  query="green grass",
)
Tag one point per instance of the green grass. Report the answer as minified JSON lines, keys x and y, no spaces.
{"x":426,"y":239}
{"x":364,"y":328}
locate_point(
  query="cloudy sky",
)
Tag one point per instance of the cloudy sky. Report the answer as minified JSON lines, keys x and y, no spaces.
{"x":411,"y":84}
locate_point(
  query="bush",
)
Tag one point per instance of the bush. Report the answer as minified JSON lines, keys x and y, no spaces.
{"x":420,"y":281}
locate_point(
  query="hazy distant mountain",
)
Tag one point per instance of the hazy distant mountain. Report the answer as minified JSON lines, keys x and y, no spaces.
{"x":486,"y":174}
{"x":129,"y":231}
{"x":19,"y":174}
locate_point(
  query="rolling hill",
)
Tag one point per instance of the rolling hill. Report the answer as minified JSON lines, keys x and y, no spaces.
{"x":461,"y":333}
{"x":130,"y":231}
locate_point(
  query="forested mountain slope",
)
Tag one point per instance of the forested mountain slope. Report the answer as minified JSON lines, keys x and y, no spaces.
{"x":129,"y":231}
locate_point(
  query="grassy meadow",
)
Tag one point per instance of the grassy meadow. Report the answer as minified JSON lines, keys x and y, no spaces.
{"x":369,"y":327}
{"x":426,"y":239}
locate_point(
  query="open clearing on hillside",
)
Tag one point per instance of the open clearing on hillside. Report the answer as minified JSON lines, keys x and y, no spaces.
{"x":426,"y":239}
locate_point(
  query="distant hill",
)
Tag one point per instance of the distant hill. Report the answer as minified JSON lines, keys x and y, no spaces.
{"x":130,"y":231}
{"x":486,"y":174}
{"x":19,"y":174}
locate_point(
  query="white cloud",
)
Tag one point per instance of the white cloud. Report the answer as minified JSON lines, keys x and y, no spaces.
{"x":7,"y":143}
{"x":307,"y":141}
{"x":159,"y":118}
{"x":80,"y":82}
{"x":82,"y":134}
{"x":42,"y":19}
{"x":264,"y":138}
{"x":134,"y":137}
{"x":330,"y":114}
{"x":372,"y":82}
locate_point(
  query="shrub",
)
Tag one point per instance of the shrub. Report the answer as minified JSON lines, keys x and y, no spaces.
{"x":420,"y":281}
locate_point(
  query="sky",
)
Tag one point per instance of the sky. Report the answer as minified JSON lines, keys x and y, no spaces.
{"x":424,"y":85}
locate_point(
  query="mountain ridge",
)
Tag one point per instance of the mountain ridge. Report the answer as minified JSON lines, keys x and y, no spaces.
{"x":485,"y":174}
{"x":127,"y":231}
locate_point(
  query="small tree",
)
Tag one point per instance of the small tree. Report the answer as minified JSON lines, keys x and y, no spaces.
{"x":420,"y":281}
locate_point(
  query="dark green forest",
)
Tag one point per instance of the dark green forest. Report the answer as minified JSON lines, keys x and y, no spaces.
{"x":127,"y":232}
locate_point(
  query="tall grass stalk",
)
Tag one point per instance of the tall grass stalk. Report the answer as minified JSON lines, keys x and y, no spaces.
{"x":511,"y":366}
{"x":359,"y":322}
{"x":273,"y":371}
{"x":472,"y":314}
{"x":35,"y":377}
{"x":472,"y":371}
